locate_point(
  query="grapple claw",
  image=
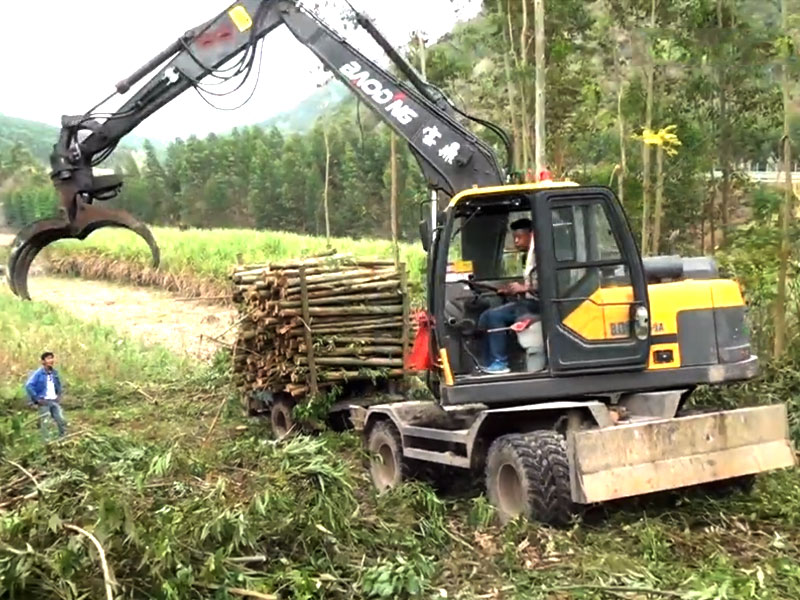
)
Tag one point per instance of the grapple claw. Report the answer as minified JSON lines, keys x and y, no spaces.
{"x":88,"y":219}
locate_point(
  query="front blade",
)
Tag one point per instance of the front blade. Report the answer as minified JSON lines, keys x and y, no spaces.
{"x":638,"y":458}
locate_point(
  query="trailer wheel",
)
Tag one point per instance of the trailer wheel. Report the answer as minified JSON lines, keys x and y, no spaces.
{"x":281,"y":417}
{"x":528,"y":474}
{"x":387,"y":467}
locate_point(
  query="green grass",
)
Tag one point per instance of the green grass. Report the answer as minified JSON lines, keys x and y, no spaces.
{"x":92,"y":356}
{"x":212,"y":253}
{"x":176,"y":514}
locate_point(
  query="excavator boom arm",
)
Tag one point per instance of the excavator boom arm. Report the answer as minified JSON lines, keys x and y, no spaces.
{"x":450,"y":156}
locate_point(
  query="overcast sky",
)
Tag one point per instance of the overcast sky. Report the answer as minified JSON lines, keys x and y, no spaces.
{"x":63,"y":57}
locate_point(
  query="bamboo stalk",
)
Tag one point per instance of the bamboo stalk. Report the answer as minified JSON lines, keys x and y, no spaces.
{"x":395,"y":350}
{"x":356,"y":376}
{"x":344,"y":311}
{"x":375,"y":339}
{"x":312,"y":367}
{"x":338,"y":284}
{"x":355,"y":362}
{"x":338,"y":276}
{"x":358,"y":298}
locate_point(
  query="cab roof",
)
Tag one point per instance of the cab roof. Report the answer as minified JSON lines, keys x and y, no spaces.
{"x":499,"y":189}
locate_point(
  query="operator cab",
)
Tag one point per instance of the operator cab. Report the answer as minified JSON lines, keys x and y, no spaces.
{"x":591,"y":309}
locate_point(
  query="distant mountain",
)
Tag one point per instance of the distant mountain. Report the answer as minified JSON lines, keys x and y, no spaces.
{"x":36,"y":137}
{"x":40,"y":137}
{"x":302,"y":117}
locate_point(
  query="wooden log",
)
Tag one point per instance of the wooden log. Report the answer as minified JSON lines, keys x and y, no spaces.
{"x":354,"y":362}
{"x":312,"y":367}
{"x":369,"y":284}
{"x":340,"y":276}
{"x":345,"y":310}
{"x":342,"y":329}
{"x":357,"y":351}
{"x":358,"y":288}
{"x":350,"y":320}
{"x":374,"y":339}
{"x":382,"y":327}
{"x":354,"y":299}
{"x":337,"y":286}
{"x":357,"y":376}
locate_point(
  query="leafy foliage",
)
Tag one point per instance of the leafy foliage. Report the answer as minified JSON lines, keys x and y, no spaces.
{"x":179,"y":517}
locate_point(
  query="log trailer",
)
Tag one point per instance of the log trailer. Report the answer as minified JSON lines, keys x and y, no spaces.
{"x":593,"y":408}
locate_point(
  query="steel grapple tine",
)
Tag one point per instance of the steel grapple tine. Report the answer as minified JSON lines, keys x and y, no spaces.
{"x":89,"y":218}
{"x":27,"y":245}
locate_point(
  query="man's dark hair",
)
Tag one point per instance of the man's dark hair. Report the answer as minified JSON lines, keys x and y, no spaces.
{"x":47,"y":355}
{"x":523,"y":223}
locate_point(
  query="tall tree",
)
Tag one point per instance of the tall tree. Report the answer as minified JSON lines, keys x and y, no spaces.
{"x":539,"y":121}
{"x":649,"y":74}
{"x":787,"y":211}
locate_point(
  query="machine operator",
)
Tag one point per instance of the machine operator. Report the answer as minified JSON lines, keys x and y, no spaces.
{"x":497,"y":320}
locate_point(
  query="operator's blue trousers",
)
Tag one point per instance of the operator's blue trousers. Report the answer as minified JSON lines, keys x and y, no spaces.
{"x":503,"y":316}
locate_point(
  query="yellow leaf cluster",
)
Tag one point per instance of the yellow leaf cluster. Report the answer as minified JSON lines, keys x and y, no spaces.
{"x":666,"y":138}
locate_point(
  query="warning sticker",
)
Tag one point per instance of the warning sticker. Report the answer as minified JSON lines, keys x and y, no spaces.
{"x":459,"y":270}
{"x":240,"y":17}
{"x":460,"y":266}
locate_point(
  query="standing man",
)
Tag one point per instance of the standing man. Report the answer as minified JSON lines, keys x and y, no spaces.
{"x":44,"y":391}
{"x":505,"y":315}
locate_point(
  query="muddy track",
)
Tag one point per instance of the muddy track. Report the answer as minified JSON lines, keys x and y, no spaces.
{"x":152,"y":316}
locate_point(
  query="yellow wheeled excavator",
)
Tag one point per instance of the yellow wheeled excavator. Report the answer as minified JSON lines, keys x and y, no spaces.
{"x":591,"y":406}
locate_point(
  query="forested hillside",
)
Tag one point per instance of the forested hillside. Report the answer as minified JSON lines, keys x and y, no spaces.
{"x":37,"y":138}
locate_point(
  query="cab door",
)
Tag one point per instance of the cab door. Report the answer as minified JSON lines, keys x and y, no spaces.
{"x":591,"y":282}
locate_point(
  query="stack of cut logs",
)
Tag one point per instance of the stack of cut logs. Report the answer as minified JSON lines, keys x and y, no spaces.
{"x":306,"y":324}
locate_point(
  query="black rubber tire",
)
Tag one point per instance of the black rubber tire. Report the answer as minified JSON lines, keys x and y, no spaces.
{"x":281,"y":418}
{"x":387,"y":467}
{"x":528,"y":474}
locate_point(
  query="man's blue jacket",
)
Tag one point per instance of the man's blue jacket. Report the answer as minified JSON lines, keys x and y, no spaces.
{"x":36,"y":387}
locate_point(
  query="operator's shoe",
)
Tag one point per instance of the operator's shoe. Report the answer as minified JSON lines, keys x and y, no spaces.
{"x":496,"y":368}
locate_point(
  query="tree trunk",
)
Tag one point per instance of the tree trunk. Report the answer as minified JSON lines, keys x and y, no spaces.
{"x":623,"y":162}
{"x":645,"y":196}
{"x":650,"y":75}
{"x":724,"y":134}
{"x":393,"y":198}
{"x":327,"y":180}
{"x":539,"y":122}
{"x":521,"y":64}
{"x":512,"y":110}
{"x":659,"y":198}
{"x":516,"y":127}
{"x":725,"y":159}
{"x":423,"y":59}
{"x":787,"y":209}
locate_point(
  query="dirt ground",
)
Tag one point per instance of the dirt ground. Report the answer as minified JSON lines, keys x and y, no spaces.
{"x":150,"y":315}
